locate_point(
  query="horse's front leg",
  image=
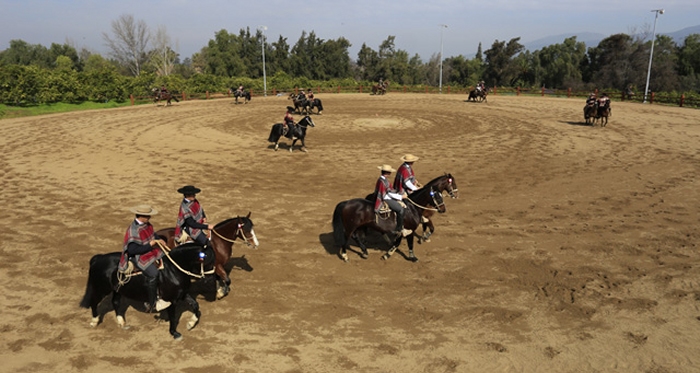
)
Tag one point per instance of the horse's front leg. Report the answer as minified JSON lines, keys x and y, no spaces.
{"x":359,"y":237}
{"x":411,"y":255}
{"x":393,"y":248}
{"x":174,"y":321}
{"x":292,"y":146}
{"x":222,"y":282}
{"x":428,"y":229}
{"x":303,"y":145}
{"x":196,"y":313}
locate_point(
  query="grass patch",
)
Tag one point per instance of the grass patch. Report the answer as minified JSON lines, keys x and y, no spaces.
{"x":32,"y":110}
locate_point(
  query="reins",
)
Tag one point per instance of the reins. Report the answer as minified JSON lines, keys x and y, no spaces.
{"x":166,"y":251}
{"x":419,"y":206}
{"x":239,"y":229}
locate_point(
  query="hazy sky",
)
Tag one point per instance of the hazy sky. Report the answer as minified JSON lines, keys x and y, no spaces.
{"x":415,"y":24}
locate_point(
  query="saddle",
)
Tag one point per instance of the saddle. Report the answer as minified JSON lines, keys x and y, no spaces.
{"x":133,"y":270}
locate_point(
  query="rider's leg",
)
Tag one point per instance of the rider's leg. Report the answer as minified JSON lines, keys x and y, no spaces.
{"x":151,"y":279}
{"x":396,"y":207}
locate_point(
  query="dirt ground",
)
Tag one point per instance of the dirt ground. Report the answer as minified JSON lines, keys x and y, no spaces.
{"x":570,"y":248}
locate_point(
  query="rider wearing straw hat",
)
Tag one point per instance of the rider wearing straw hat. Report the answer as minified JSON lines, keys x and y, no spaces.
{"x":385,"y":193}
{"x":143,"y":248}
{"x":191,"y":218}
{"x":405,"y":180}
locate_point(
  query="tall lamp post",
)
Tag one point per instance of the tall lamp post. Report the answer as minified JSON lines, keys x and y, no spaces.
{"x":263,"y":28}
{"x":651,"y":53}
{"x":442,"y":28}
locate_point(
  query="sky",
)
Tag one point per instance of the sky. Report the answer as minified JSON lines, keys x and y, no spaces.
{"x":415,"y":24}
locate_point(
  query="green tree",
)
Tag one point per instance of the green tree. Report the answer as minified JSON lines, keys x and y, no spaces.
{"x":559,"y":65}
{"x":689,"y":63}
{"x":500,"y":68}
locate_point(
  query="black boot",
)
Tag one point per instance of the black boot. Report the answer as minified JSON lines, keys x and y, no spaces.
{"x":152,"y":291}
{"x":400,"y":230}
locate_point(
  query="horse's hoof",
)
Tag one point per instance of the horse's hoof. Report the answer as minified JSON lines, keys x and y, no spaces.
{"x":94,"y":321}
{"x":364,"y":256}
{"x":344,"y":257}
{"x":385,"y":257}
{"x":192,"y":323}
{"x":413,"y":259}
{"x":121,"y":322}
{"x":304,"y":150}
{"x":177,"y":336}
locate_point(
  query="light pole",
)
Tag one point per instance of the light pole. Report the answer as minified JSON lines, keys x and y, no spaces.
{"x":263,"y":28}
{"x":651,"y":53}
{"x":442,"y":28}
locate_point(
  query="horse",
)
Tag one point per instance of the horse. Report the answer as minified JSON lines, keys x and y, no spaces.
{"x":477,"y":96}
{"x":222,"y":239}
{"x":602,"y":116}
{"x":590,"y":112}
{"x":159,"y":95}
{"x":380,"y":89}
{"x":242,"y":94}
{"x":316,"y":103}
{"x":352,"y":216}
{"x":295,"y":133}
{"x":179,"y":267}
{"x":443,"y":183}
{"x":302,"y":106}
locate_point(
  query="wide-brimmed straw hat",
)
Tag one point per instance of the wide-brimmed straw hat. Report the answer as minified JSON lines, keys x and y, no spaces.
{"x":386,"y":168}
{"x":143,"y":210}
{"x":188,"y":190}
{"x":409,"y":158}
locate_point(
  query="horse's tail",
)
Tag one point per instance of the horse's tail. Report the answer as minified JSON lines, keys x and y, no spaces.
{"x":89,"y":289}
{"x":338,"y":227}
{"x":275,"y":133}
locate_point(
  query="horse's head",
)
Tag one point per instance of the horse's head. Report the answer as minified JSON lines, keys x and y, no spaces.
{"x":307,"y":121}
{"x":291,"y":96}
{"x":437,"y":202}
{"x":451,"y":186}
{"x":245,"y":230}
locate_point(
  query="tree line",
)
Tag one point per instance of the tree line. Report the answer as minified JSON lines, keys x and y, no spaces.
{"x":140,"y":59}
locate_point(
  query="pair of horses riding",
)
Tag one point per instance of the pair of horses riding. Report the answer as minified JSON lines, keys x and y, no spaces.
{"x":352,"y":218}
{"x":303,"y":105}
{"x":245,"y":95}
{"x":180,"y":265}
{"x":593,"y":113}
{"x":159,"y":95}
{"x":380,"y":89}
{"x":477,"y":95}
{"x":294,"y":133}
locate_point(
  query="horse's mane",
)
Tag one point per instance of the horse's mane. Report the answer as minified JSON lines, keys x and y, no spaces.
{"x":244,"y":219}
{"x":435,"y":180}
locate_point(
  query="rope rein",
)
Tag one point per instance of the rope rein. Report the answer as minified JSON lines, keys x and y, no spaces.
{"x":239,"y":229}
{"x":166,"y":251}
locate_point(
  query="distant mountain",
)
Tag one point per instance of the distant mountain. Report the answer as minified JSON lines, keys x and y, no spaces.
{"x":592,"y":39}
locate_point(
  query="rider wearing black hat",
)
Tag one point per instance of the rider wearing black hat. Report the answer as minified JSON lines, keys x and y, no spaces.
{"x":191,"y":218}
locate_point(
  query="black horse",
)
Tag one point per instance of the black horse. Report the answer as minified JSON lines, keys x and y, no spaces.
{"x":301,"y":104}
{"x":294,"y":133}
{"x":351,"y":218}
{"x":242,"y":94}
{"x":476,"y":95}
{"x":166,"y":96}
{"x":179,"y":267}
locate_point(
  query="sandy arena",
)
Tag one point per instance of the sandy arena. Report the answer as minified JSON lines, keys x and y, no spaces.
{"x":570,"y":249}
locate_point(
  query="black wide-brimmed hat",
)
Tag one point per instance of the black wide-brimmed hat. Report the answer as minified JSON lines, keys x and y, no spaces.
{"x":189,"y":189}
{"x":290,"y":108}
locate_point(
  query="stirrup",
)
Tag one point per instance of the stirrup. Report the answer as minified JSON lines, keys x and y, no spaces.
{"x":162,"y":304}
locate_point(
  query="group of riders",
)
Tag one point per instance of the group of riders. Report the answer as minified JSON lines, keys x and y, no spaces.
{"x":391,"y":196}
{"x":144,"y":249}
{"x":596,"y":106}
{"x":305,"y":100}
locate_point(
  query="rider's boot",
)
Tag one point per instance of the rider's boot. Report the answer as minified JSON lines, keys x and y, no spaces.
{"x":399,"y":224}
{"x":154,"y":303}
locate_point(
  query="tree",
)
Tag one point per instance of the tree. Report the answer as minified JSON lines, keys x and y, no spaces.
{"x":559,"y":65}
{"x":162,"y":56}
{"x":689,"y":62}
{"x":130,"y":42}
{"x":500,"y":68}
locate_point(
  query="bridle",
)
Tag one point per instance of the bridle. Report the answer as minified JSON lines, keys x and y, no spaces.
{"x":432,"y":195}
{"x":239,"y":233}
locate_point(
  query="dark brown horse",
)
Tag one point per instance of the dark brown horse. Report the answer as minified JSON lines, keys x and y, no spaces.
{"x":380,"y":89}
{"x":301,"y":105}
{"x":222,"y":238}
{"x":444,"y":183}
{"x":166,"y":96}
{"x":245,"y":95}
{"x":352,"y":217}
{"x":179,"y":267}
{"x":589,"y":113}
{"x":602,"y":116}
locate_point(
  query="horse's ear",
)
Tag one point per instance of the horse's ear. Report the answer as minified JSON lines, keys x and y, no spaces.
{"x":248,"y":216}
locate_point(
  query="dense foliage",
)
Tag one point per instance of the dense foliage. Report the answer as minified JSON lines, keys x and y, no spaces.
{"x":36,"y":74}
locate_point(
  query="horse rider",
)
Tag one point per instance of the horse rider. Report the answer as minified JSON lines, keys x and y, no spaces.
{"x":288,"y":122}
{"x":590,"y":101}
{"x":385,"y":193}
{"x":405,"y":180}
{"x":240,"y":89}
{"x":603,"y":103}
{"x":141,"y":247}
{"x":480,"y":87}
{"x":311,"y":98}
{"x":191,"y":218}
{"x":163,"y":90}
